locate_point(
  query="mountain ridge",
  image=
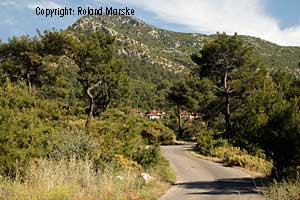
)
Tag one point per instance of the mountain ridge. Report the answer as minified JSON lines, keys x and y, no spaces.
{"x":171,"y":50}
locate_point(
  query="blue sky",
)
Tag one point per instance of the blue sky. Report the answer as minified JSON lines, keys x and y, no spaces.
{"x":276,"y":21}
{"x":287,"y":11}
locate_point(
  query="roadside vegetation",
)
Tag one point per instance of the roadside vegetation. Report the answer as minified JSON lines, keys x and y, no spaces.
{"x":234,"y":156}
{"x":284,"y":190}
{"x":78,"y":179}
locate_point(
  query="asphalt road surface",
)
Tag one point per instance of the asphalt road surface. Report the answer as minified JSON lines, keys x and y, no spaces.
{"x":199,"y":179}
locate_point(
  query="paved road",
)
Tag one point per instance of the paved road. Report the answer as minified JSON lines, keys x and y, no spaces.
{"x":205,"y":180}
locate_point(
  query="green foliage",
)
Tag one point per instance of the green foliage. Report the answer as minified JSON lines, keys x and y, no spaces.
{"x":116,"y":134}
{"x":32,"y":127}
{"x":207,"y":142}
{"x":226,"y":53}
{"x":259,"y":108}
{"x":43,"y":84}
{"x":63,"y":63}
{"x":270,"y":121}
{"x":99,"y":72}
{"x":21,"y":59}
{"x":222,"y":61}
{"x":181,"y":96}
{"x":163,"y":170}
{"x":192,"y":128}
{"x":148,"y":156}
{"x":29,"y":126}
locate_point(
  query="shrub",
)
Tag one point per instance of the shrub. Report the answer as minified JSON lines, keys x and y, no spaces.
{"x":147,"y":156}
{"x":206,"y":143}
{"x":234,"y":156}
{"x":250,"y":162}
{"x":28,"y":128}
{"x":225,"y":152}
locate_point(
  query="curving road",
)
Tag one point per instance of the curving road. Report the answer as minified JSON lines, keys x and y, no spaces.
{"x":205,"y":180}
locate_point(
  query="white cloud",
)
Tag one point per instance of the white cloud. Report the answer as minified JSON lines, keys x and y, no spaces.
{"x":246,"y":17}
{"x":9,"y":21}
{"x":44,"y":4}
{"x":8,"y":3}
{"x":31,"y":4}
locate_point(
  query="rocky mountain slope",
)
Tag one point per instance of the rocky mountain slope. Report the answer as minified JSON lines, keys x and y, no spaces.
{"x":171,"y":50}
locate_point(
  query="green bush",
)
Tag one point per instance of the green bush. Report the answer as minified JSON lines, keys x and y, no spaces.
{"x":270,"y":121}
{"x":206,"y":143}
{"x":28,"y":128}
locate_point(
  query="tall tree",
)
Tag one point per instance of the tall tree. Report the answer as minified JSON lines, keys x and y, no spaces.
{"x":99,"y":71}
{"x":222,"y":61}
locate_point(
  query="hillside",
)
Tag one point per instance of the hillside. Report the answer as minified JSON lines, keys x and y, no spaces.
{"x":171,"y":50}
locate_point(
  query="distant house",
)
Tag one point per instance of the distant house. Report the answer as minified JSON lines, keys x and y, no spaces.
{"x":155,"y":114}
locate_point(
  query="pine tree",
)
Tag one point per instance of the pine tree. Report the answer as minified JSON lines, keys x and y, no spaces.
{"x":99,"y":71}
{"x":222,"y":61}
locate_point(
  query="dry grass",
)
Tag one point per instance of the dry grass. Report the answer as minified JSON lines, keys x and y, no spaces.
{"x":234,"y":156}
{"x":77,"y":180}
{"x":284,"y":191}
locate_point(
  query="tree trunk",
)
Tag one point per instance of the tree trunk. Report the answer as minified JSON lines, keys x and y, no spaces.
{"x":90,"y":114}
{"x":179,"y":124}
{"x":28,"y":82}
{"x":227,"y":117}
{"x":227,"y":105}
{"x":91,"y":108}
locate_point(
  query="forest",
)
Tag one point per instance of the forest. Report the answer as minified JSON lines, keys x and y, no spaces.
{"x":67,"y":100}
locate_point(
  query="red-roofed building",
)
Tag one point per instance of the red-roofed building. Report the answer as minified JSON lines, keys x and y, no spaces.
{"x":155,"y":114}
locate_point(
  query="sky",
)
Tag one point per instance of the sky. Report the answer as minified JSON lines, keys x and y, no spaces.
{"x":277,"y":21}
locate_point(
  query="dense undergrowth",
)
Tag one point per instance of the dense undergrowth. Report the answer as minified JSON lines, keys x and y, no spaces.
{"x":48,"y":154}
{"x":233,"y":156}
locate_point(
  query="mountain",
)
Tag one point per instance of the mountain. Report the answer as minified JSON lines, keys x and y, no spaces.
{"x":171,"y":50}
{"x":154,"y":58}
